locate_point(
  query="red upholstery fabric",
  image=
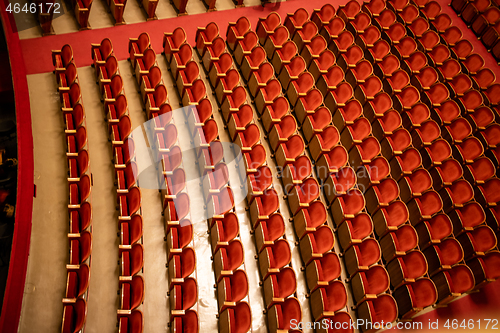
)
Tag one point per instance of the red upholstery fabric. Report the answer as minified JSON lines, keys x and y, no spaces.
{"x":470,"y":148}
{"x":440,"y":226}
{"x":449,"y":252}
{"x":361,"y":226}
{"x":415,"y":264}
{"x":405,"y":238}
{"x":383,"y":309}
{"x":396,"y":213}
{"x":420,"y":181}
{"x":353,"y":201}
{"x":471,"y":215}
{"x":425,"y":293}
{"x":461,"y":278}
{"x":430,"y":203}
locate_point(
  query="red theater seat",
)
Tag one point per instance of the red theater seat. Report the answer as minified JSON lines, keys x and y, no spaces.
{"x":236,"y":31}
{"x":368,"y":284}
{"x":367,"y":90}
{"x":452,"y":35}
{"x":143,"y":63}
{"x":316,"y":123}
{"x":480,"y":171}
{"x":172,"y":42}
{"x":287,"y":152}
{"x":137,"y":46}
{"x":295,"y":21}
{"x":424,"y":207}
{"x":381,"y":195}
{"x":462,"y":49}
{"x":99,"y":52}
{"x":378,"y":51}
{"x":347,"y":114}
{"x":187,"y":323}
{"x":223,"y":231}
{"x":361,"y":256}
{"x":409,"y":14}
{"x":132,"y":262}
{"x":399,"y":242}
{"x":258,"y":78}
{"x":313,"y":50}
{"x":406,"y":269}
{"x":373,"y":8}
{"x":453,"y":283}
{"x":443,"y":255}
{"x":282,"y":315}
{"x":314,"y":245}
{"x":433,"y":231}
{"x":254,"y":158}
{"x":181,"y":266}
{"x":332,"y":29}
{"x":228,"y":259}
{"x":359,"y":73}
{"x":245,"y":45}
{"x":466,"y":218}
{"x":263,"y":206}
{"x":267,"y":95}
{"x":348,"y":11}
{"x":273,"y":113}
{"x":74,"y":316}
{"x":416,"y":116}
{"x":355,"y":230}
{"x":283,"y":55}
{"x":277,"y":287}
{"x":377,"y":107}
{"x":77,"y":283}
{"x":383,"y":309}
{"x":303,"y":36}
{"x":205,"y":36}
{"x":273,"y":258}
{"x":267,"y":25}
{"x":182,"y":297}
{"x":488,"y":194}
{"x":490,"y":136}
{"x":477,"y":242}
{"x":232,"y":289}
{"x":63,"y":57}
{"x":292,"y":70}
{"x":132,"y":295}
{"x":485,"y":269}
{"x":299,"y":87}
{"x":320,"y":272}
{"x":339,"y":183}
{"x":399,"y":80}
{"x":468,"y":150}
{"x":385,"y":20}
{"x":428,"y":40}
{"x":387,"y":66}
{"x":414,"y":297}
{"x":300,"y":196}
{"x":358,"y":25}
{"x":236,"y":319}
{"x":269,"y":231}
{"x":331,"y":162}
{"x":390,"y":218}
{"x":414,"y":184}
{"x":219,"y":67}
{"x":323,"y":15}
{"x":325,"y":301}
{"x":340,"y":44}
